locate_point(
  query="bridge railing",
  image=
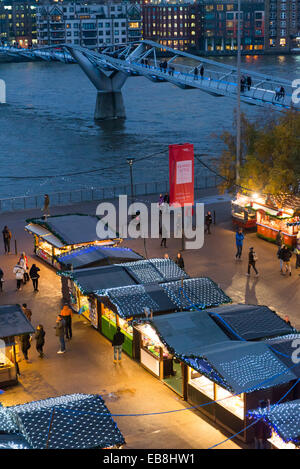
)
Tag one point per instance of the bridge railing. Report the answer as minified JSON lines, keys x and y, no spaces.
{"x":90,"y":194}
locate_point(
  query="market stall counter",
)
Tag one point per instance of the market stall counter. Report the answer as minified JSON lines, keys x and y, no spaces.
{"x":13,"y":323}
{"x":60,"y":234}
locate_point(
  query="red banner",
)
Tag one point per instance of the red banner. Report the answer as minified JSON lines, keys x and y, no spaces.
{"x":181,"y":174}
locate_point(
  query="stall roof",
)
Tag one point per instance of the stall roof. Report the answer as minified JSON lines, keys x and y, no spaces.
{"x":46,"y":235}
{"x":283,"y":349}
{"x":200,"y":292}
{"x":80,"y":421}
{"x":72,"y":228}
{"x":250,"y":322}
{"x":13,"y":321}
{"x":105,"y":255}
{"x":284,"y":419}
{"x":13,"y":442}
{"x":130,"y":301}
{"x":189,"y":333}
{"x":155,"y":270}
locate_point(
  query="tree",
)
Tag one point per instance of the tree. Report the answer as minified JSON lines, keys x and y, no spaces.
{"x":270,"y":155}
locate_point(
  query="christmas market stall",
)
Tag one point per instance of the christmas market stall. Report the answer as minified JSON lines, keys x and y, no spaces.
{"x":216,"y":368}
{"x":74,"y":421}
{"x":283,"y":421}
{"x":60,"y":234}
{"x":13,"y":323}
{"x":94,"y":256}
{"x":242,"y":212}
{"x":109,"y":296}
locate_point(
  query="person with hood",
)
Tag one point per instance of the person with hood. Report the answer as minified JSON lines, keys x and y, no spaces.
{"x":252,"y":261}
{"x":60,"y":333}
{"x":19,"y":273}
{"x":25,"y":345}
{"x":117,"y":344}
{"x":6,"y":239}
{"x":40,"y":340}
{"x":239,"y":239}
{"x":179,"y":261}
{"x":34,"y":275}
{"x":66,"y":313}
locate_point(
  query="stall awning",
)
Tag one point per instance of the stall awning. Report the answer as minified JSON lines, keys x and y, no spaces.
{"x":155,"y":271}
{"x":101,"y":255}
{"x":72,"y":228}
{"x":80,"y":421}
{"x":200,"y":292}
{"x":131,"y":301}
{"x":284,"y":419}
{"x":13,"y":321}
{"x":189,"y":333}
{"x":250,"y":322}
{"x":44,"y":234}
{"x":284,"y":348}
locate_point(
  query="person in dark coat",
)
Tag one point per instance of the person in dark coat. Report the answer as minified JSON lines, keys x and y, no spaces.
{"x":60,"y":333}
{"x":252,"y":261}
{"x":262,"y":432}
{"x":249,"y":83}
{"x":166,"y":198}
{"x":6,"y":239}
{"x":285,"y":255}
{"x":40,"y":340}
{"x":179,"y":261}
{"x":279,"y":238}
{"x":34,"y":275}
{"x":201,"y":72}
{"x":25,"y":345}
{"x":1,"y":279}
{"x":208,"y":222}
{"x":117,"y":344}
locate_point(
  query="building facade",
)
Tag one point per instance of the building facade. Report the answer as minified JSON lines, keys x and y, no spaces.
{"x":18,"y":23}
{"x":282,"y":25}
{"x":89,"y":25}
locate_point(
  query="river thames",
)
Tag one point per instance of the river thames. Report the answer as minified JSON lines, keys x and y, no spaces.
{"x":47,"y":126}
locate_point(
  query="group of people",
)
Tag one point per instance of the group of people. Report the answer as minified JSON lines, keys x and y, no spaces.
{"x":198,"y":71}
{"x":63,"y":327}
{"x":279,"y":93}
{"x":25,"y":339}
{"x":23,"y":274}
{"x":252,"y":256}
{"x":246,"y":83}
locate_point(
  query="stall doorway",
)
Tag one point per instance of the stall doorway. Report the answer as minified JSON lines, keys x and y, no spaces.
{"x":175,"y":380}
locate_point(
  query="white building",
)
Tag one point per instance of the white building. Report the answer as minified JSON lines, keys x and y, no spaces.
{"x":88,"y":25}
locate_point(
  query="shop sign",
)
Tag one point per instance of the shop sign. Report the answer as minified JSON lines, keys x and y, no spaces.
{"x":181,"y":174}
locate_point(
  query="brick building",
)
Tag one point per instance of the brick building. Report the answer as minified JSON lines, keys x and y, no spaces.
{"x":18,"y":23}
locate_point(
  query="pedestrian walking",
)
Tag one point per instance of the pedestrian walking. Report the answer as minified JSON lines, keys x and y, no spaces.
{"x":208,"y":222}
{"x":252,"y":259}
{"x":279,"y":255}
{"x":34,"y":275}
{"x":201,"y":72}
{"x":60,"y":333}
{"x":243,"y":83}
{"x":239,"y":240}
{"x":19,"y":273}
{"x":166,"y":198}
{"x":279,"y":238}
{"x":179,"y":261}
{"x":117,"y":343}
{"x":66,"y":313}
{"x":277,"y":93}
{"x":45,"y":209}
{"x":40,"y":340}
{"x":161,"y":199}
{"x":286,"y":255}
{"x":196,"y":71}
{"x":6,"y":239}
{"x":249,"y":83}
{"x":25,"y":345}
{"x":27,"y":311}
{"x":287,"y":320}
{"x":282,"y":92}
{"x":24,"y":263}
{"x":1,"y":279}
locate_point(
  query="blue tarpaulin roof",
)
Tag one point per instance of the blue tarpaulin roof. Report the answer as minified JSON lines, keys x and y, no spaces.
{"x":250,"y":322}
{"x":13,"y":321}
{"x":102,"y":255}
{"x":284,"y":419}
{"x":80,"y":421}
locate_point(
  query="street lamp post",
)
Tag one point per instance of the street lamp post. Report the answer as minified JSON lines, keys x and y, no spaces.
{"x":238,"y":114}
{"x":130,"y":161}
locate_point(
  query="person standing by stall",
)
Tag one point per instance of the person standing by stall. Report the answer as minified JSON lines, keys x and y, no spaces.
{"x":25,"y":345}
{"x":60,"y":333}
{"x":117,"y":344}
{"x":279,"y":238}
{"x":252,"y":261}
{"x":66,"y":312}
{"x":19,"y":273}
{"x":34,"y":275}
{"x":6,"y":239}
{"x":239,"y":240}
{"x":40,"y":340}
{"x":27,"y":311}
{"x":179,"y":261}
{"x":286,"y":255}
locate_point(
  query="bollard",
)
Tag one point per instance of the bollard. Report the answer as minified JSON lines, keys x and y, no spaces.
{"x":16,"y":248}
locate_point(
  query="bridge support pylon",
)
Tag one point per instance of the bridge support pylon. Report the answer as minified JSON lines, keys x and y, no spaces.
{"x":109,"y":101}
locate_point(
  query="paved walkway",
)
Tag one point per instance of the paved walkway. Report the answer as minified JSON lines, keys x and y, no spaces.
{"x":87,"y":365}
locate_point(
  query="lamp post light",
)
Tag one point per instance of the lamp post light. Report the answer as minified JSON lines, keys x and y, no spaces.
{"x":238,"y":114}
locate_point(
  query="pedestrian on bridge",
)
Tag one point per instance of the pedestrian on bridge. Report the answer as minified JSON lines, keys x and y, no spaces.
{"x":201,"y":72}
{"x":249,"y":83}
{"x":196,"y":73}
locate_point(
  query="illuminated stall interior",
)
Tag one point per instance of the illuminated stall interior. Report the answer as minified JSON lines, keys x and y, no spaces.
{"x":242,"y":213}
{"x":13,"y":323}
{"x":58,"y":235}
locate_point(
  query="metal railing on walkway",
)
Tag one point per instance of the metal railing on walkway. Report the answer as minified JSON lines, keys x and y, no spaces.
{"x":90,"y":194}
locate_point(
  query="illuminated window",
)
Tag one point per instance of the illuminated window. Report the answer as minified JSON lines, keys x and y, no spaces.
{"x":220,"y":7}
{"x":283,"y":42}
